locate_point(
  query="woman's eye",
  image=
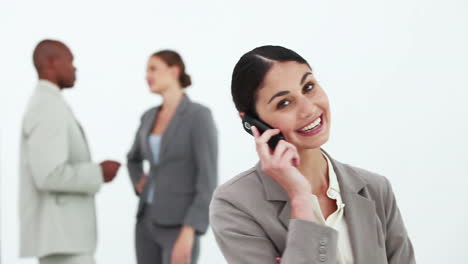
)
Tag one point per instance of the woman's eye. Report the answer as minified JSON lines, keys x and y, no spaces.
{"x":283,"y":104}
{"x":308,"y":87}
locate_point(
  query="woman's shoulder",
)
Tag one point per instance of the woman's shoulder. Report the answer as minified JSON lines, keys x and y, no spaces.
{"x":200,"y":115}
{"x":199,"y":109}
{"x":368,"y":176}
{"x":376,"y":184}
{"x":149,"y":112}
{"x":242,"y":188}
{"x":243,"y":198}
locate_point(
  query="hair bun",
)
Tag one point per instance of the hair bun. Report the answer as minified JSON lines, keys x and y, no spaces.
{"x":185,"y":80}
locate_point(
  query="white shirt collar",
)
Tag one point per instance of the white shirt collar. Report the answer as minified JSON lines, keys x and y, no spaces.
{"x":333,"y":180}
{"x":48,"y":85}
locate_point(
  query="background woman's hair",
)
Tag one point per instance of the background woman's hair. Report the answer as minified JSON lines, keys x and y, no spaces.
{"x":250,"y":71}
{"x":172,"y":58}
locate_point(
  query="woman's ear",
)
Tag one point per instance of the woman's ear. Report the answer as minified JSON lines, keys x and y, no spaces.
{"x":241,"y":114}
{"x":175,"y":71}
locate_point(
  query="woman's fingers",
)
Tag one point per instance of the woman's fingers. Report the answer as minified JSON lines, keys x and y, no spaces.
{"x":290,"y":157}
{"x":281,"y":147}
{"x":255,"y":132}
{"x":261,"y":150}
{"x":263,"y":138}
{"x":287,"y":157}
{"x":261,"y":141}
{"x":277,"y":155}
{"x":296,"y":160}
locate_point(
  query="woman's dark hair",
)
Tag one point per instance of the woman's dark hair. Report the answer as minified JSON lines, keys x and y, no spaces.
{"x":172,"y":58}
{"x":250,"y":71}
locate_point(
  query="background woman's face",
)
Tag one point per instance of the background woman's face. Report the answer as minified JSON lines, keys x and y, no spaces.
{"x":159,"y":75}
{"x":291,"y":100}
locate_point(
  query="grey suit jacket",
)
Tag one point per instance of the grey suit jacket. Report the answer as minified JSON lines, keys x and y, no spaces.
{"x":58,"y":179}
{"x":250,"y":217}
{"x":186,"y":174}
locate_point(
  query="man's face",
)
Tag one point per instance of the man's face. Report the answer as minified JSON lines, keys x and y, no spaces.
{"x":64,"y":68}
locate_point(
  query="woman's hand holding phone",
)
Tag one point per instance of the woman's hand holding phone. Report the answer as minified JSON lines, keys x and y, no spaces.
{"x":141,"y":183}
{"x":281,"y":164}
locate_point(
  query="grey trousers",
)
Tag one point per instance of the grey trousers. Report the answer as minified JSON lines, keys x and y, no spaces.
{"x":154,"y":243}
{"x":67,"y":259}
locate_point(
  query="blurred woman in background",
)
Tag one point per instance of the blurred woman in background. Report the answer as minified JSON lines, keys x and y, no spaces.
{"x":179,"y":140}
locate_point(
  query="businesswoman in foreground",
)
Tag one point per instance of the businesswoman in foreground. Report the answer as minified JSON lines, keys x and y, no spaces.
{"x":179,"y":140}
{"x":299,"y":205}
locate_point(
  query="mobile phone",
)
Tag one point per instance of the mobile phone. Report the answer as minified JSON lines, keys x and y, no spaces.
{"x":248,"y":121}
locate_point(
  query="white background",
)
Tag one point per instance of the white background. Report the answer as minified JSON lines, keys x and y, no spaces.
{"x":395,"y":72}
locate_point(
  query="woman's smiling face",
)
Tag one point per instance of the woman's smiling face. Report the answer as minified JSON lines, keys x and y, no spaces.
{"x":291,"y":100}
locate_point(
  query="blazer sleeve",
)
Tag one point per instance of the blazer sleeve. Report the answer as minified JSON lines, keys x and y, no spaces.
{"x":243,"y":241}
{"x":135,"y":159}
{"x":398,"y":245}
{"x":48,"y":150}
{"x":205,"y":151}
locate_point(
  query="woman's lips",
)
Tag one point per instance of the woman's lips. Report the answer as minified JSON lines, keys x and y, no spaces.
{"x":313,"y":131}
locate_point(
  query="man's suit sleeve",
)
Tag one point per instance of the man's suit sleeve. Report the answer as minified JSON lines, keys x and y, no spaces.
{"x":48,"y":150}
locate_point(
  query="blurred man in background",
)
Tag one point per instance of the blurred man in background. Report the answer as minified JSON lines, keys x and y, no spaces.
{"x":58,"y":178}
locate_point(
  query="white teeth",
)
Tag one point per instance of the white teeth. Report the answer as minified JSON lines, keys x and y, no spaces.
{"x":313,"y":125}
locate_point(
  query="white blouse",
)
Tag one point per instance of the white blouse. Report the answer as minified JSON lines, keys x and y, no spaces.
{"x":336,"y":220}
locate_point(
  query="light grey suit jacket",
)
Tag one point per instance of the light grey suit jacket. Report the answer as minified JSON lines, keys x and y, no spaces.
{"x":58,"y":180}
{"x":250,"y":217}
{"x":186,"y":175}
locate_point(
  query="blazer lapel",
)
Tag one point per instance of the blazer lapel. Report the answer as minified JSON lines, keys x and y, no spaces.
{"x":285,"y":214}
{"x":274,"y":192}
{"x":360,"y":214}
{"x":146,"y":128}
{"x":84,"y":137}
{"x":170,"y":131}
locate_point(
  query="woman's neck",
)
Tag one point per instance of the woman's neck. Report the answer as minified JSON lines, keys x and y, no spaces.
{"x":171,"y":99}
{"x":314,"y":167}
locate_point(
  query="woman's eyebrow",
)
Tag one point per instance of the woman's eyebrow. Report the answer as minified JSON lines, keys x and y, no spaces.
{"x":304,"y":77}
{"x":286,"y":92}
{"x":278,"y":94}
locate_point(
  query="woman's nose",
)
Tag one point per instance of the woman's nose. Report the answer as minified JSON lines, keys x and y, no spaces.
{"x":307,"y":108}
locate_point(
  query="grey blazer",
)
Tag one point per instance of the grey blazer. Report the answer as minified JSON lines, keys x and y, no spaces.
{"x":186,"y":175}
{"x":250,"y":217}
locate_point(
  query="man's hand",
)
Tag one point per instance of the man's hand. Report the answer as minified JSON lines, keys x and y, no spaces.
{"x":109,"y":169}
{"x":182,"y":251}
